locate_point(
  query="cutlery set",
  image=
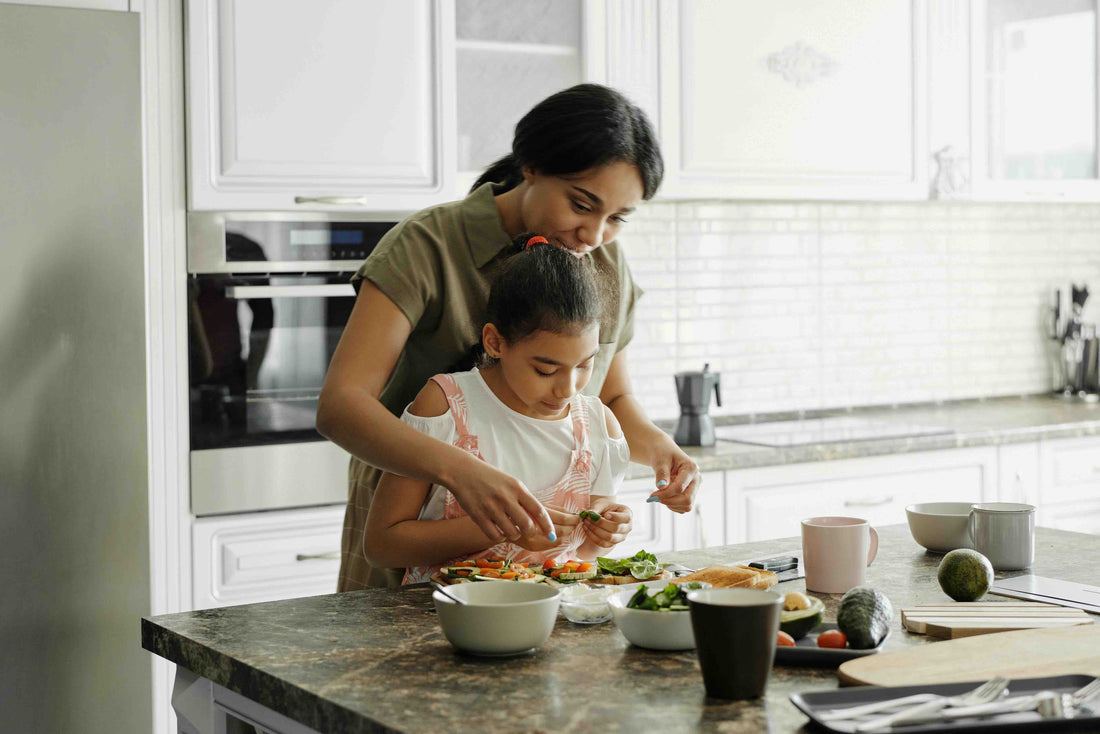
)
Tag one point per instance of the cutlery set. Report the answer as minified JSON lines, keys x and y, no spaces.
{"x":989,"y":699}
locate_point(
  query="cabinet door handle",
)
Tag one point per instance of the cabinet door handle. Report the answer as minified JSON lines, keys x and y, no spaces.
{"x":330,"y":556}
{"x":868,"y":503}
{"x":354,"y":200}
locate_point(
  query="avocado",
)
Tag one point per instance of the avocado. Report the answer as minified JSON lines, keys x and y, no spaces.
{"x":798,"y":622}
{"x":965,"y":575}
{"x":864,"y":617}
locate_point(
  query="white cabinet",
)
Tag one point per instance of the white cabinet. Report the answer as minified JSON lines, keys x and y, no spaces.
{"x":652,"y":522}
{"x":799,"y":99}
{"x":705,"y":525}
{"x":264,"y":556}
{"x":771,"y":502}
{"x":319,"y":105}
{"x":1069,"y":485}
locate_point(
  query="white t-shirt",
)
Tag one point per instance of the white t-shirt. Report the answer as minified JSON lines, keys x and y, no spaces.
{"x":532,"y":450}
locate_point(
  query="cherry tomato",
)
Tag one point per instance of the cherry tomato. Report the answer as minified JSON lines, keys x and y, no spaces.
{"x":784,"y":640}
{"x":832,"y":638}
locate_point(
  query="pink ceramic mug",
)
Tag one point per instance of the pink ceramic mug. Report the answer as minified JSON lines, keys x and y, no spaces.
{"x":836,"y":552}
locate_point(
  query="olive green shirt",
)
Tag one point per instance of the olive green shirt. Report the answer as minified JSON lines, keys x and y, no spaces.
{"x":437,"y":266}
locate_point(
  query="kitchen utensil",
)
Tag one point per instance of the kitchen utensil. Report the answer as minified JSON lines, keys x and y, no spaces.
{"x":443,"y":590}
{"x":735,"y":633}
{"x":940,"y":526}
{"x":806,"y":653}
{"x":818,"y":703}
{"x":1054,"y":651}
{"x":836,"y":552}
{"x":989,"y":691}
{"x":1051,"y":591}
{"x":953,"y":620}
{"x":498,"y":618}
{"x":696,"y":427}
{"x":1004,"y":532}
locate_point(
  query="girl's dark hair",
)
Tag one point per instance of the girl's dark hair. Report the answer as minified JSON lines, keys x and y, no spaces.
{"x":576,"y":129}
{"x":543,"y":288}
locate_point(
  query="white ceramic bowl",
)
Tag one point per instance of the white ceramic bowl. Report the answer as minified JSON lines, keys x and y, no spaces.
{"x":587,"y":604}
{"x":498,"y":618}
{"x":940,"y":526}
{"x":653,"y":630}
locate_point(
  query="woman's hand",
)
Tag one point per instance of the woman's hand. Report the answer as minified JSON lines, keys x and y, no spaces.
{"x":565,"y":524}
{"x":614,"y":524}
{"x":678,"y":477}
{"x":499,"y":504}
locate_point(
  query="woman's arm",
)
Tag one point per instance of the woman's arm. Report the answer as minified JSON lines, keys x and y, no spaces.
{"x":350,"y":415}
{"x":677,"y":475}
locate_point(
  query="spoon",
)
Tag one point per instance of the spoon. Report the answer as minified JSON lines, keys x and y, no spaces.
{"x":443,"y":590}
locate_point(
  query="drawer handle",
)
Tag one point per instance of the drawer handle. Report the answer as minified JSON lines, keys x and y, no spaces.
{"x":868,"y":503}
{"x":330,"y":556}
{"x":353,"y":200}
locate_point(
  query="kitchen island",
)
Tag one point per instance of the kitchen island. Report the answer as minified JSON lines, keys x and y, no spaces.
{"x":377,"y":660}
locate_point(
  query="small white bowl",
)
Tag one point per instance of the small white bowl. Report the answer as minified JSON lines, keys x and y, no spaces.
{"x":587,"y":604}
{"x":653,"y":630}
{"x":498,"y":618}
{"x":940,"y":526}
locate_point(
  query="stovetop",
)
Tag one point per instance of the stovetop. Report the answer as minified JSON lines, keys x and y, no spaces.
{"x":833,"y":429}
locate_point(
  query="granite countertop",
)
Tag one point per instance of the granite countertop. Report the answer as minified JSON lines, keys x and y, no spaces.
{"x":377,"y":660}
{"x":985,"y":422}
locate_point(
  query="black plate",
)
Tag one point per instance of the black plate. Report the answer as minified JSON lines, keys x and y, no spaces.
{"x":813,"y":704}
{"x":806,"y":652}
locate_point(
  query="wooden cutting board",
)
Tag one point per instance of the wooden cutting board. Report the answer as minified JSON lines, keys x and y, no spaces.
{"x":1029,"y":653}
{"x":953,"y":620}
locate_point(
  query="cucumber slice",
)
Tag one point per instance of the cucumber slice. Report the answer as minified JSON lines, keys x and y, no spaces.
{"x":577,"y":575}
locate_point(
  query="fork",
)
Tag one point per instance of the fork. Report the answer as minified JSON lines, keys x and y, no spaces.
{"x":989,"y":691}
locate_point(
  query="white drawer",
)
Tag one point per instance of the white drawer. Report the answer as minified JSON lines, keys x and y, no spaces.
{"x":1070,"y":470}
{"x":266,"y":556}
{"x":652,"y":522}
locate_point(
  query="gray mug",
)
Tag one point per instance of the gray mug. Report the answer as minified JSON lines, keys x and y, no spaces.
{"x":1004,"y":532}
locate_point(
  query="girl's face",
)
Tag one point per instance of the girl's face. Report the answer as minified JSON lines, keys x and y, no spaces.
{"x":581,"y":211}
{"x":537,"y":376}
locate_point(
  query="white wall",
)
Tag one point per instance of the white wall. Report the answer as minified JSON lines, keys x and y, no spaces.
{"x":819,"y":305}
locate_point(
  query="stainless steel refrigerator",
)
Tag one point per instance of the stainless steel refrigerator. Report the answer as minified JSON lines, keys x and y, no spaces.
{"x":74,"y":579}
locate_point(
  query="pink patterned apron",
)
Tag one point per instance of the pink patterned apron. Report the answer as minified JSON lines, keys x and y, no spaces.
{"x":570,"y":492}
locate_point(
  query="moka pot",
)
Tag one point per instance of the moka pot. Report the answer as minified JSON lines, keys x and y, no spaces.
{"x":693,"y":389}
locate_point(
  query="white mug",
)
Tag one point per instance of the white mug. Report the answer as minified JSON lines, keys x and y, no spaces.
{"x":1003,"y":532}
{"x":836,"y":552}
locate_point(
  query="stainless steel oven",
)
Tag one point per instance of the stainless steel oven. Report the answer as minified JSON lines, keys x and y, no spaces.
{"x":268,"y":298}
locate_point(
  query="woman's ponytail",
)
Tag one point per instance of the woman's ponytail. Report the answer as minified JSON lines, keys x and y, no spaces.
{"x":505,"y":171}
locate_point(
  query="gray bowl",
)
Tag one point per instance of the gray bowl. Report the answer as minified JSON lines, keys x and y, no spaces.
{"x":940,"y":526}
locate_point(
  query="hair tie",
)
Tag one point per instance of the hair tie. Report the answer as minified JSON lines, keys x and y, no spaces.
{"x":536,"y":240}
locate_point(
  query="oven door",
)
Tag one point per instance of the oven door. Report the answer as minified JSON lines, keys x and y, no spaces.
{"x":259,"y":349}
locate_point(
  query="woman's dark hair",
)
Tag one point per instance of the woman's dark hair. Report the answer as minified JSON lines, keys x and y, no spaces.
{"x":543,"y":288}
{"x":579,"y":128}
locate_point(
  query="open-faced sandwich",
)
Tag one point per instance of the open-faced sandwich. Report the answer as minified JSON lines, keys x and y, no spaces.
{"x":641,"y":566}
{"x":732,"y":576}
{"x":570,"y":571}
{"x":488,"y":569}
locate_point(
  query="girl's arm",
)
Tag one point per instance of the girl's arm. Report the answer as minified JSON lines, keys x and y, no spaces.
{"x":677,"y":474}
{"x":350,"y":415}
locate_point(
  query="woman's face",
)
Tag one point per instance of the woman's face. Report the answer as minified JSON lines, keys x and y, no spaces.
{"x":581,"y":211}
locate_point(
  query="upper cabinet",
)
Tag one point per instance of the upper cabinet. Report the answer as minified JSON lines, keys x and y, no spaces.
{"x":1034,"y":104}
{"x":320,"y":105}
{"x":798,"y":99}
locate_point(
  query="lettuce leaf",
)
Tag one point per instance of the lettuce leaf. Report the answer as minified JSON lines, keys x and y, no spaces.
{"x":641,"y":565}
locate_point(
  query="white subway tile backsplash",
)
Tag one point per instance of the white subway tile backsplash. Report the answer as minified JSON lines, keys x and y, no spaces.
{"x":809,"y":305}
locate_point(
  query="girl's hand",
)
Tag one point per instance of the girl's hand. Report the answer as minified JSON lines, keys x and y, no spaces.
{"x":614,"y":524}
{"x":499,"y":504}
{"x":678,"y":477}
{"x":565,"y":524}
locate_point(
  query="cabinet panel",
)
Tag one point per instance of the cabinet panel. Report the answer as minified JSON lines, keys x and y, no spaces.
{"x":798,"y":99}
{"x":652,"y":521}
{"x":291,"y":101}
{"x":1070,"y":470}
{"x":266,"y":556}
{"x":1077,"y":517}
{"x":705,"y":525}
{"x":772,"y":502}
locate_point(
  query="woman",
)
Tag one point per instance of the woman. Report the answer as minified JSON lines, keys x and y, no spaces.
{"x":582,"y":160}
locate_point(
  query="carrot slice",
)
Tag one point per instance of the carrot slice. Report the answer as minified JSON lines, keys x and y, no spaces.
{"x":557,"y":572}
{"x":509,"y":575}
{"x":584,"y":567}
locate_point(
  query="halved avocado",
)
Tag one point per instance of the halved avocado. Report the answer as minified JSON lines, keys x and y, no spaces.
{"x":798,"y":622}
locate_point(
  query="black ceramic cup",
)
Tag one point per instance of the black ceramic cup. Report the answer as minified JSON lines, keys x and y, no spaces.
{"x":735,"y":633}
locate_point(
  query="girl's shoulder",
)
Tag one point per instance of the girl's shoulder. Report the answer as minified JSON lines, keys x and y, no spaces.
{"x":430,"y":402}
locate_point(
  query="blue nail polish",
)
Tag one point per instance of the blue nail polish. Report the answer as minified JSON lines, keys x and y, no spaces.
{"x":662,"y":483}
{"x":553,"y":537}
{"x":652,"y":499}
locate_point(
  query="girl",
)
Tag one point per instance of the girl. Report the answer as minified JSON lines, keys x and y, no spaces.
{"x":581,"y":161}
{"x":520,"y":410}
